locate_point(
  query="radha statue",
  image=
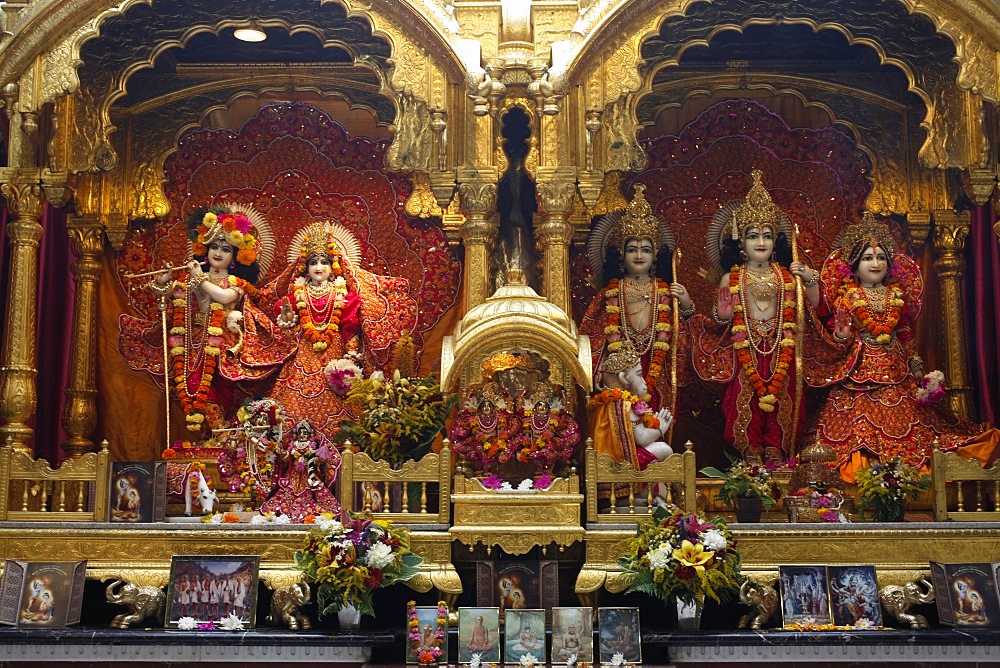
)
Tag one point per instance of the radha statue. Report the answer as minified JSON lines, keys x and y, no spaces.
{"x":206,"y":315}
{"x":336,"y":316}
{"x":752,"y":345}
{"x":630,"y":324}
{"x":880,"y":407}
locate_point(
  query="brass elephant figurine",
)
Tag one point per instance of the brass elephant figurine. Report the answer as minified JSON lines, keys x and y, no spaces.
{"x":144,"y":602}
{"x":286,"y":607}
{"x":763,"y":602}
{"x":897,"y":601}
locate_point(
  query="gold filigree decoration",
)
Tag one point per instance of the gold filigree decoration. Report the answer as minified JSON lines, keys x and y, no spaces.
{"x":413,"y":145}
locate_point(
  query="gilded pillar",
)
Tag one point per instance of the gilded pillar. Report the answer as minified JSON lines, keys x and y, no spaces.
{"x":80,"y":413}
{"x":479,"y":201}
{"x":950,"y":232}
{"x":18,"y":355}
{"x":555,"y":204}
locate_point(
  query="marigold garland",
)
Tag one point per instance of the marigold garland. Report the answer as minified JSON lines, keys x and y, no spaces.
{"x":321,"y":336}
{"x":662,"y":326}
{"x":427,"y":655}
{"x":194,"y":404}
{"x":767,"y":393}
{"x":853,"y":296}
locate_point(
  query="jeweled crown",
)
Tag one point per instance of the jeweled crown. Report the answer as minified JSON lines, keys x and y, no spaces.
{"x":861,"y":235}
{"x":637,"y":222}
{"x":757,"y":209}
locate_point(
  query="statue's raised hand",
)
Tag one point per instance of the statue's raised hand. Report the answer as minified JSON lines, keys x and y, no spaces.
{"x":724,"y":307}
{"x":841,"y":324}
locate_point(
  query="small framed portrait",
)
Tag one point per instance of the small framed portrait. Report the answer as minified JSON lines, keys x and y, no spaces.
{"x":517,"y":585}
{"x":524,"y":634}
{"x":210,"y":589}
{"x":572,"y":635}
{"x":805,"y":595}
{"x":42,"y":593}
{"x":479,"y":633}
{"x":854,"y":596}
{"x":973,"y":594}
{"x":618,"y":630}
{"x":431,"y":632}
{"x":138,"y":492}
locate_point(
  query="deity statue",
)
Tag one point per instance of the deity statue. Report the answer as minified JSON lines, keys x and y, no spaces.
{"x":877,"y":410}
{"x":630,"y":323}
{"x":206,"y":326}
{"x":336,"y":315}
{"x":752,"y":344}
{"x":481,"y":432}
{"x":307,"y":469}
{"x":249,"y":451}
{"x":548,"y":432}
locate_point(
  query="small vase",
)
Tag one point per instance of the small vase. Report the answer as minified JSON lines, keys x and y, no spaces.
{"x":349,"y":617}
{"x":688,"y":615}
{"x":749,"y":510}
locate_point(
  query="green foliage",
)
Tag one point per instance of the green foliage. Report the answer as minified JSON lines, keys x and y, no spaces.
{"x":745,"y":481}
{"x":885,"y":486}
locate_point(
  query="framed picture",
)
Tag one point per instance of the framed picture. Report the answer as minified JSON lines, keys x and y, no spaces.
{"x":42,"y":593}
{"x":572,"y":634}
{"x":618,"y":630}
{"x":138,"y":492}
{"x":854,"y":595}
{"x":427,"y":628}
{"x":966,"y":594}
{"x":479,"y":633}
{"x":517,"y":585}
{"x":804,"y":595}
{"x":524,"y":634}
{"x":208,"y":589}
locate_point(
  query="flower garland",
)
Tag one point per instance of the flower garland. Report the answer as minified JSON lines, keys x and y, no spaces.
{"x":646,"y":415}
{"x":427,"y":655}
{"x":767,"y":393}
{"x":880,"y":329}
{"x":662,"y":326}
{"x":497,"y":448}
{"x":608,"y":396}
{"x":180,"y":344}
{"x":321,"y":336}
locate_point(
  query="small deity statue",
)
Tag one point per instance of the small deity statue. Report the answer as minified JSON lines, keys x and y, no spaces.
{"x":548,"y":433}
{"x":249,"y":450}
{"x":481,"y":432}
{"x":307,"y":469}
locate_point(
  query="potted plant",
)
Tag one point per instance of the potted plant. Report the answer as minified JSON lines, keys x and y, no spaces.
{"x":349,"y":560}
{"x":681,"y":557}
{"x":885,"y":486}
{"x":746,"y":488}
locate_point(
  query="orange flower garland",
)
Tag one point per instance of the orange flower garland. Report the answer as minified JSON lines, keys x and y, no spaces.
{"x":662,"y":326}
{"x":767,"y":393}
{"x":880,"y":329}
{"x":181,"y":346}
{"x":321,"y":336}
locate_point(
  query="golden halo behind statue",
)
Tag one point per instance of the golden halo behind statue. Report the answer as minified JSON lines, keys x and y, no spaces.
{"x":346,"y":241}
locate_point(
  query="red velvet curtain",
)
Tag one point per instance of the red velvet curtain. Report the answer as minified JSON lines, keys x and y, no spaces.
{"x":983,"y":313}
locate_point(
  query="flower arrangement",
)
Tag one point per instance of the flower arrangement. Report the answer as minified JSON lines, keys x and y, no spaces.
{"x":427,"y":654}
{"x":349,"y":560}
{"x":402,"y":416}
{"x":494,"y":481}
{"x":678,"y":555}
{"x":825,"y":506}
{"x":340,"y":373}
{"x":745,"y":481}
{"x":931,"y":388}
{"x":884,"y":486}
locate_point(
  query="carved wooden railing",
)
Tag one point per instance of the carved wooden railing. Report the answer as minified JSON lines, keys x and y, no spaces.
{"x":419,"y":491}
{"x":975,"y":488}
{"x":77,"y":491}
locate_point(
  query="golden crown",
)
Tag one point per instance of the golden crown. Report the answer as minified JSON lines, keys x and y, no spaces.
{"x":541,"y":393}
{"x":638,"y":222}
{"x":503,"y":361}
{"x":757,"y":209}
{"x":624,"y":358}
{"x":318,"y":240}
{"x":861,"y":235}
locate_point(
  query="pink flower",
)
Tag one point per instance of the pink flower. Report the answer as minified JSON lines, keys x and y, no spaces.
{"x":242,"y":224}
{"x":543,"y":481}
{"x":492,"y":482}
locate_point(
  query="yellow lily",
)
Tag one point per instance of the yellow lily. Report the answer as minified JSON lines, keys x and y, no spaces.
{"x":694,"y":556}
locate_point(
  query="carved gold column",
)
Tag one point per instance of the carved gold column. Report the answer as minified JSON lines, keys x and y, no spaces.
{"x":950,"y":232}
{"x":479,"y":201}
{"x":555,"y":204}
{"x":18,"y":355}
{"x":80,"y":413}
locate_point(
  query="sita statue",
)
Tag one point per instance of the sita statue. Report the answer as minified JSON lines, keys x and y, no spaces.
{"x":206,"y":315}
{"x":637,"y":333}
{"x":307,"y":469}
{"x":752,"y":344}
{"x":338,"y":318}
{"x":880,"y":407}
